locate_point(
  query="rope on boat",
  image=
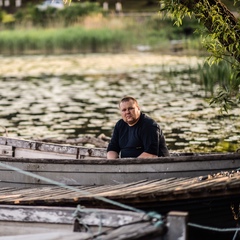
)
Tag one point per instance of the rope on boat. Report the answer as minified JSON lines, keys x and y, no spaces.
{"x":236,"y":230}
{"x":156,"y":217}
{"x":235,"y":235}
{"x":213,"y":228}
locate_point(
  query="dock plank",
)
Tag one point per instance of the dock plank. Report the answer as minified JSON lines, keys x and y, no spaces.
{"x":158,"y":190}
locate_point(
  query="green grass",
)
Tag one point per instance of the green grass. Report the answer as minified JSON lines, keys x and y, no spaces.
{"x":63,"y":40}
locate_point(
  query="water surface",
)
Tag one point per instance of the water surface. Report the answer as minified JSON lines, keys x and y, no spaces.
{"x":77,"y":95}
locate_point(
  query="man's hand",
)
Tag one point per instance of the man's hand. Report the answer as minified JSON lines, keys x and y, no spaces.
{"x":147,"y":155}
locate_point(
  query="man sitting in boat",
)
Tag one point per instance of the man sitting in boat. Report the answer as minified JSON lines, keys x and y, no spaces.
{"x":136,"y":135}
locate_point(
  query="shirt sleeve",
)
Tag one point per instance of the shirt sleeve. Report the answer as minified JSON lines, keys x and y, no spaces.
{"x":163,"y":150}
{"x":150,"y":136}
{"x":114,"y":142}
{"x":154,"y":141}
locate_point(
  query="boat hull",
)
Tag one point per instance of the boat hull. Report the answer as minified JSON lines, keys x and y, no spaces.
{"x":109,"y":172}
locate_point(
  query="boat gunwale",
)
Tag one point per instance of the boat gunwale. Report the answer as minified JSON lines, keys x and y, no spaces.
{"x":125,"y":161}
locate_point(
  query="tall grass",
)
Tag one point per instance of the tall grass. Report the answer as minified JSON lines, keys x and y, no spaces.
{"x":79,"y":39}
{"x":63,"y":40}
{"x":221,"y":74}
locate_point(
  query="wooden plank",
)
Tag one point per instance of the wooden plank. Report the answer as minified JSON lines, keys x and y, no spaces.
{"x":46,"y":235}
{"x":6,"y":189}
{"x":65,"y":215}
{"x":42,"y":149}
{"x":6,"y":151}
{"x":143,"y":230}
{"x":161,"y":187}
{"x":233,"y":184}
{"x":91,"y":153}
{"x":40,"y":146}
{"x":36,"y":214}
{"x":28,"y":153}
{"x":177,"y":222}
{"x":203,"y":186}
{"x":8,"y":228}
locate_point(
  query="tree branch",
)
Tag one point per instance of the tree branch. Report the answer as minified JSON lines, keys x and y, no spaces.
{"x":205,"y":15}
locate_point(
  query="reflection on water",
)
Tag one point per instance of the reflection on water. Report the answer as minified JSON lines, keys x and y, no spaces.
{"x":71,"y":106}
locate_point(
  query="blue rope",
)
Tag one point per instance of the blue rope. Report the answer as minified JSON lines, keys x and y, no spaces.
{"x":213,"y":228}
{"x":235,"y":235}
{"x":124,"y":206}
{"x":236,"y":230}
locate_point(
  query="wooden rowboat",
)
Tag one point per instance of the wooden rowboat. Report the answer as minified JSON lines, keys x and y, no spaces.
{"x":37,"y":222}
{"x":75,"y":165}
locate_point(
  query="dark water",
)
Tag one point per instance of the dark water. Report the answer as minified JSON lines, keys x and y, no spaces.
{"x":74,"y":105}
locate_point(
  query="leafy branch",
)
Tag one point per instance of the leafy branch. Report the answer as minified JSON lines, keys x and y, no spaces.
{"x":221,"y":38}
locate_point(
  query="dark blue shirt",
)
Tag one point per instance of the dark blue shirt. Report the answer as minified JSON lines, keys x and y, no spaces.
{"x":131,"y":141}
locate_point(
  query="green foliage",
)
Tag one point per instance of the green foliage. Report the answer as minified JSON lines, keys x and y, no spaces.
{"x":1,"y":15}
{"x":175,"y":11}
{"x":26,"y":16}
{"x":223,"y":82}
{"x":70,"y":14}
{"x":153,"y":31}
{"x":221,"y":39}
{"x":7,"y":19}
{"x":224,"y":100}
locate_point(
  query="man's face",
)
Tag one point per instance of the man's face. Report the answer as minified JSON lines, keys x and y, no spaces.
{"x":130,"y":112}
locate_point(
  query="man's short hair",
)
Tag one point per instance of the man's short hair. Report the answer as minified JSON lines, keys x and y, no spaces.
{"x":128,"y":98}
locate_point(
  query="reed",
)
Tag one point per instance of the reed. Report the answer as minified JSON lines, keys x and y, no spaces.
{"x":221,"y":74}
{"x":63,"y":40}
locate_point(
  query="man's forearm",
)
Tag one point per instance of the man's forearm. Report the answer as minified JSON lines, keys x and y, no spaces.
{"x":112,"y":155}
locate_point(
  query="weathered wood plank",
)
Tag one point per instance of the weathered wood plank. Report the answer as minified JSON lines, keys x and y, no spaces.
{"x":65,"y":215}
{"x":6,"y":151}
{"x":20,"y":228}
{"x":46,"y":234}
{"x":144,"y":230}
{"x":36,"y":214}
{"x":29,"y":153}
{"x":177,"y":222}
{"x":41,"y":149}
